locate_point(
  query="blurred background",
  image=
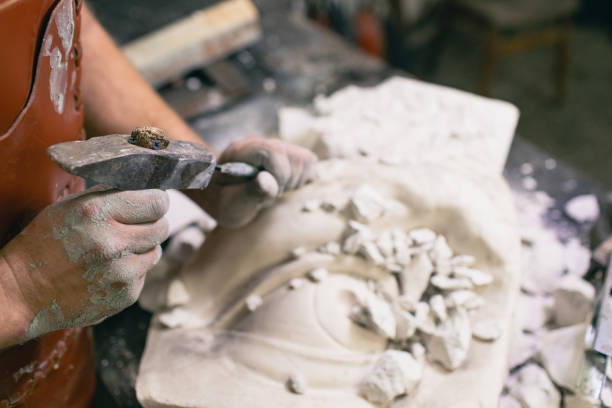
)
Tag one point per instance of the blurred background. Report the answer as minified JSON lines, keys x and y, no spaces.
{"x":551,"y":58}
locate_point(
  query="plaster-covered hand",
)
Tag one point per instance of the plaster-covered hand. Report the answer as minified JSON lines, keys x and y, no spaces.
{"x":84,"y":258}
{"x":283,"y":167}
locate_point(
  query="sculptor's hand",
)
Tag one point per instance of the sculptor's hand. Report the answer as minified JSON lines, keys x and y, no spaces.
{"x":82,"y":259}
{"x":283,"y":167}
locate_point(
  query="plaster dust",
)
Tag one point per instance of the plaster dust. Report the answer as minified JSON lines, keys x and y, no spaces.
{"x":243,"y":356}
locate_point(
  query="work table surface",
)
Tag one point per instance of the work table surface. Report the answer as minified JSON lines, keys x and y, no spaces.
{"x":293,"y":62}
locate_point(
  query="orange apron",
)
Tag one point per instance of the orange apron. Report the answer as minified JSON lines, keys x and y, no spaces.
{"x":40,"y":106}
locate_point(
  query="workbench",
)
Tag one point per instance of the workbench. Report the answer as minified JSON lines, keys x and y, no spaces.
{"x":293,"y":62}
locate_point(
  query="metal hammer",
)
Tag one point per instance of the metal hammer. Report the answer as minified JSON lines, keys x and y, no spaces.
{"x":123,"y":161}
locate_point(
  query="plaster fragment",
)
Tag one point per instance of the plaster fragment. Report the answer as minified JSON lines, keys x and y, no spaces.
{"x":438,"y":307}
{"x":406,"y":325}
{"x":418,"y":351}
{"x":179,"y":318}
{"x":475,"y":276}
{"x":441,"y":251}
{"x":414,"y":279}
{"x":487,"y":330}
{"x":449,"y":343}
{"x":318,"y":274}
{"x":297,"y":384}
{"x":253,"y":302}
{"x":561,"y":352}
{"x":395,"y":373}
{"x":385,"y":244}
{"x":375,"y":314}
{"x":177,"y":294}
{"x":331,"y":248}
{"x":366,"y":205}
{"x":184,"y":243}
{"x":424,"y":318}
{"x":445,"y":283}
{"x":508,"y":401}
{"x":295,"y":283}
{"x":582,"y":208}
{"x":463,"y":260}
{"x":298,"y":252}
{"x":355,"y":235}
{"x":401,"y":247}
{"x":464,"y":298}
{"x":311,"y":206}
{"x":573,"y":300}
{"x":370,"y":251}
{"x":533,"y":389}
{"x":422,"y":236}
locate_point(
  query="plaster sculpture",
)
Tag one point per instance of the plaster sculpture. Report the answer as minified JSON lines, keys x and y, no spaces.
{"x":411,"y":120}
{"x":252,"y":336}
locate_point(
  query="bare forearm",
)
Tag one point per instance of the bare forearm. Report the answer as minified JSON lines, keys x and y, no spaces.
{"x":116,"y":97}
{"x":12,"y":329}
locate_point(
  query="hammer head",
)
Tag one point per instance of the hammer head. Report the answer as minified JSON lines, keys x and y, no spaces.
{"x":113,"y":161}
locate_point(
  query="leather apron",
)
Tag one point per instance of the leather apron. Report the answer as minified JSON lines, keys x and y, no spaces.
{"x":40,"y":106}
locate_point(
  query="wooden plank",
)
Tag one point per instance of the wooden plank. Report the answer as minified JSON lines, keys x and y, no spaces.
{"x":203,"y":37}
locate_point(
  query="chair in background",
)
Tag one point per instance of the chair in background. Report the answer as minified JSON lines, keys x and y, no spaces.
{"x":513,"y":26}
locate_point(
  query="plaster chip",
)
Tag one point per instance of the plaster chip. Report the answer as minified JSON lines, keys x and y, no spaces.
{"x":450,"y":342}
{"x":295,"y":283}
{"x":406,"y":325}
{"x":331,"y":248}
{"x":508,"y":401}
{"x":441,"y":252}
{"x":177,"y":294}
{"x":355,"y":235}
{"x":418,"y":351}
{"x":385,"y":244}
{"x":179,"y":318}
{"x":406,"y":303}
{"x":366,"y":205}
{"x":573,"y":300}
{"x":184,"y":243}
{"x":487,"y":330}
{"x":311,"y":206}
{"x":422,"y":236}
{"x":375,"y":314}
{"x":464,"y":298}
{"x":475,"y":276}
{"x":297,"y":384}
{"x":401,"y":247}
{"x":445,"y":283}
{"x":395,"y":373}
{"x":370,"y":251}
{"x":414,"y":278}
{"x":561,"y":352}
{"x":253,"y":302}
{"x":298,"y":252}
{"x":438,"y":307}
{"x":463,"y":260}
{"x":394,"y":267}
{"x":533,"y":312}
{"x":583,"y":208}
{"x":318,"y":274}
{"x":577,"y":257}
{"x":533,"y":389}
{"x":423,"y":317}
